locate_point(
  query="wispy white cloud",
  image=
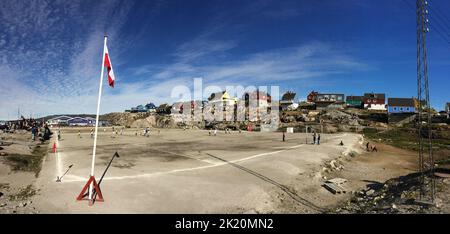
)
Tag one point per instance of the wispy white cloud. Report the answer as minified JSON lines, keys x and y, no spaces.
{"x":50,"y":55}
{"x":305,"y":62}
{"x":51,"y":50}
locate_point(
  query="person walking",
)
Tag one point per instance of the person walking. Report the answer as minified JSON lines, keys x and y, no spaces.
{"x":33,"y":133}
{"x":215,"y":132}
{"x":318,"y":139}
{"x":314,"y":138}
{"x":92,"y":133}
{"x":284,"y":136}
{"x":374,"y":148}
{"x":79,"y":134}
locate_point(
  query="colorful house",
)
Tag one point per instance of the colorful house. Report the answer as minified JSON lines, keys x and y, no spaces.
{"x":150,"y":107}
{"x":355,"y":101}
{"x":401,"y":105}
{"x":375,"y":101}
{"x":257,"y":98}
{"x":329,"y":101}
{"x":287,"y":101}
{"x":223,"y":97}
{"x":312,"y":96}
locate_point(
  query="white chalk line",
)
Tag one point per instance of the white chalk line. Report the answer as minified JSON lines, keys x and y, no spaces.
{"x":58,"y":158}
{"x":192,"y":168}
{"x":79,"y":179}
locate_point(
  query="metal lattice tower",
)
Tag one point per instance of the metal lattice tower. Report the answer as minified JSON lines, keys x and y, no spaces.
{"x":426,"y":161}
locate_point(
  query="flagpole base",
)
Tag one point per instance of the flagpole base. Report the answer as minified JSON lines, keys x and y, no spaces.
{"x":96,"y":192}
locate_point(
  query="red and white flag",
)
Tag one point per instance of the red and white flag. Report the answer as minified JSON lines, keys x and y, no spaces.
{"x":108,"y":65}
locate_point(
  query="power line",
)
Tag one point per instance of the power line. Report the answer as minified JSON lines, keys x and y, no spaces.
{"x":445,"y":38}
{"x":439,"y":19}
{"x":440,"y":22}
{"x":442,"y":14}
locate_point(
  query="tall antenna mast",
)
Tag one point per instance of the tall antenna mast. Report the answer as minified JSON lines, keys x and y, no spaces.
{"x":426,"y":161}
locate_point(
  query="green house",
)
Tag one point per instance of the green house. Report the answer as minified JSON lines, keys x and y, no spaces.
{"x":355,"y":101}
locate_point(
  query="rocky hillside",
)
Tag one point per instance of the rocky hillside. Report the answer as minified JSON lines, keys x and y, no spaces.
{"x":398,"y":195}
{"x":139,"y":120}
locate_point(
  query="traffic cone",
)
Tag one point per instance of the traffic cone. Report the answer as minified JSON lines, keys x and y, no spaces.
{"x":54,"y":147}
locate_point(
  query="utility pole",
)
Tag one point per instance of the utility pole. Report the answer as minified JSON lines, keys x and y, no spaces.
{"x":426,"y":161}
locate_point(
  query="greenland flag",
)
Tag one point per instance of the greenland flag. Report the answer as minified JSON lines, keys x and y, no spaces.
{"x":108,"y":65}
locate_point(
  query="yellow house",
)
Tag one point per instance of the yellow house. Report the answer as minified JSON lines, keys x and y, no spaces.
{"x":223,"y":97}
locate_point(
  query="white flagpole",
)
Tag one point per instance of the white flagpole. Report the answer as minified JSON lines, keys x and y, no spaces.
{"x":96,"y":118}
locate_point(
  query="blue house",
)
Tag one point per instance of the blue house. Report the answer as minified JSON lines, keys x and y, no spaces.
{"x":401,"y":105}
{"x":150,"y":107}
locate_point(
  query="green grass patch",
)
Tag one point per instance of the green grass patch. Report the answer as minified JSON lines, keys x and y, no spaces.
{"x":407,"y":138}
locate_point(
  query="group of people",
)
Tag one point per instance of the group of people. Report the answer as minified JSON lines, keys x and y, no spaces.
{"x":21,"y":124}
{"x":44,"y":134}
{"x":316,"y":138}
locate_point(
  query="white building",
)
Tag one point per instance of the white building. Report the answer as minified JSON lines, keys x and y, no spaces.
{"x":59,"y":120}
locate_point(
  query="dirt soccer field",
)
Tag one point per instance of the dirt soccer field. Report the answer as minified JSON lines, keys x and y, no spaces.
{"x":188,"y":171}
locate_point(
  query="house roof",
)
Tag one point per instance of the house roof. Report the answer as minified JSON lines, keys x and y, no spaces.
{"x":355,"y":98}
{"x":288,"y":96}
{"x":79,"y":119}
{"x":337,"y":94}
{"x":62,"y":117}
{"x":401,"y":102}
{"x":375,"y":95}
{"x":218,"y":95}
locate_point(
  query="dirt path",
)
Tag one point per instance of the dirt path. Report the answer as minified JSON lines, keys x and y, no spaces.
{"x":372,"y":169}
{"x":20,"y":164}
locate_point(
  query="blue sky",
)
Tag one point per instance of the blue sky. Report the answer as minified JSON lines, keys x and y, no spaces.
{"x":50,"y":51}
